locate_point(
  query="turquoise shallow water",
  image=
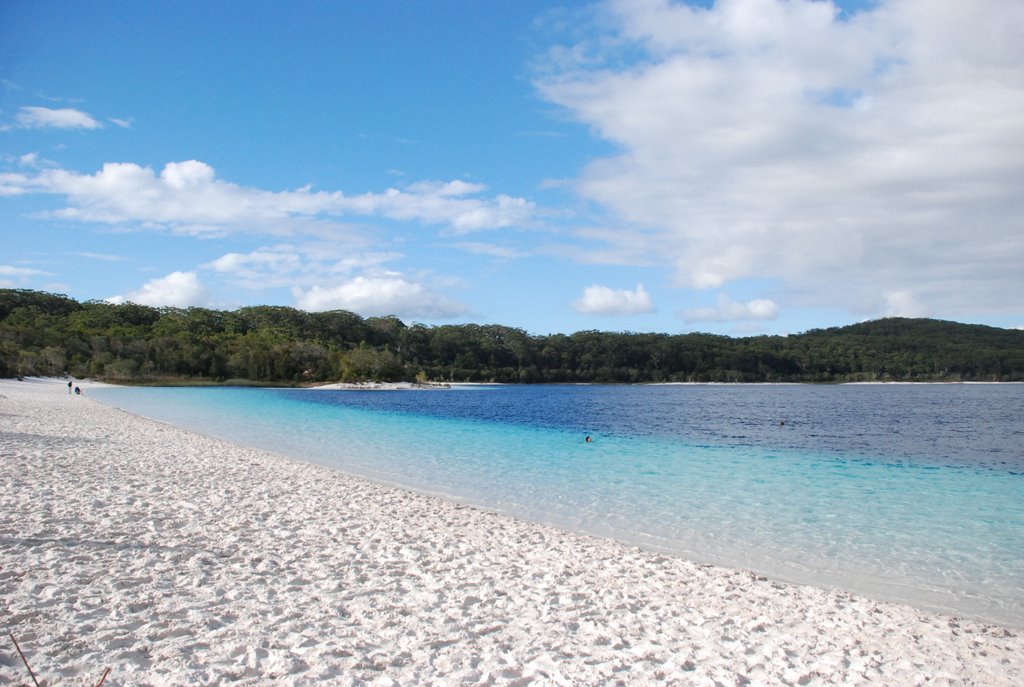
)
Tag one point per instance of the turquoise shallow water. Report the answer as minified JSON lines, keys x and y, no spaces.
{"x":907,"y":493}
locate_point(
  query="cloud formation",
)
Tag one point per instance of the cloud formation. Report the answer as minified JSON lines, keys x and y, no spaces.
{"x":49,"y":118}
{"x":601,"y":300}
{"x":874,"y":154}
{"x":493,"y":250}
{"x":904,"y":304}
{"x":12,"y":271}
{"x":383,"y":294}
{"x":178,"y":289}
{"x":187,"y":197}
{"x":728,"y":310}
{"x":301,"y":265}
{"x":12,"y":277}
{"x":322,"y":277}
{"x":99,"y":256}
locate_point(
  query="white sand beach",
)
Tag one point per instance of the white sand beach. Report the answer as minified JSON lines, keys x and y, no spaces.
{"x":380,"y":386}
{"x":175,"y":559}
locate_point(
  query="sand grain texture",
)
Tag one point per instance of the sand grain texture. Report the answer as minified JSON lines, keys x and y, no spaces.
{"x":179,"y":559}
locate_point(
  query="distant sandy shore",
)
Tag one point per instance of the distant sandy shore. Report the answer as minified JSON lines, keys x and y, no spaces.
{"x":174,"y":559}
{"x":379,"y":386}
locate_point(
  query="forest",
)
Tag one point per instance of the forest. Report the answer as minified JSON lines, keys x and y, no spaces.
{"x":48,"y":334}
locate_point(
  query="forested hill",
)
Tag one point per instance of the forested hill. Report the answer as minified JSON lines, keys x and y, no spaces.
{"x":49,"y":334}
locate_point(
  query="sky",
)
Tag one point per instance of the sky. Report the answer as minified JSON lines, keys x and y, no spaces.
{"x":738,"y":167}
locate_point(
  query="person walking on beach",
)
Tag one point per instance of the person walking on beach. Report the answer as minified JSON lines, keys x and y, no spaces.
{"x":78,"y":392}
{"x":69,"y":388}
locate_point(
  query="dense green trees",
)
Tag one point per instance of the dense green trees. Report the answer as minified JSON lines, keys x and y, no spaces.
{"x":50,"y":334}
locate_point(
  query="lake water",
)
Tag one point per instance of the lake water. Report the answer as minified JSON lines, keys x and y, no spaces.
{"x":902,"y":492}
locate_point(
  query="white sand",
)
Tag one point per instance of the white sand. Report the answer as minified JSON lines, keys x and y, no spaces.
{"x":380,"y":386}
{"x":178,"y":559}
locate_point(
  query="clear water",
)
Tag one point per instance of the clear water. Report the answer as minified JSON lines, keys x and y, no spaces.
{"x":904,"y":492}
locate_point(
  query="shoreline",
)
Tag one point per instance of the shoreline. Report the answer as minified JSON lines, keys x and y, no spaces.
{"x":174,"y":557}
{"x":381,"y":386}
{"x":444,"y":386}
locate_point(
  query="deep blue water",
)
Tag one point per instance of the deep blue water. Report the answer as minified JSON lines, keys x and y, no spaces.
{"x":907,"y":492}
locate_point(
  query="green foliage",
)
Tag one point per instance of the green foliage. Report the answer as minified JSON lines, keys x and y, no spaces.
{"x":366,"y":364}
{"x":50,"y":334}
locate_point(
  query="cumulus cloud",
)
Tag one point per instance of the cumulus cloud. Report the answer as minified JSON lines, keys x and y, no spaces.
{"x":321,"y":277}
{"x":872,"y":153}
{"x":728,"y":310}
{"x":443,"y":203}
{"x":601,"y":300}
{"x":388,"y":293}
{"x":904,"y":304}
{"x":179,"y":289}
{"x":49,"y":118}
{"x":188,"y":197}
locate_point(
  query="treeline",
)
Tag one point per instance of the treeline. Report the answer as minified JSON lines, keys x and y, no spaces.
{"x":49,"y":334}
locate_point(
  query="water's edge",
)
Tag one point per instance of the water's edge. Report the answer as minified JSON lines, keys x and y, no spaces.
{"x":731,"y":502}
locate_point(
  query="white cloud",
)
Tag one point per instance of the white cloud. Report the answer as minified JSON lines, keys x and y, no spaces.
{"x":491,"y":249}
{"x":295,"y":265}
{"x":782,"y":140}
{"x":445,"y":189}
{"x":384,"y":294}
{"x":321,"y":277}
{"x":727,"y":310}
{"x":99,"y":256}
{"x":187,"y":197}
{"x":34,"y":161}
{"x":63,"y":118}
{"x":442,"y":203}
{"x":190,"y":174}
{"x":179,"y":289}
{"x":261,"y":268}
{"x":601,"y":300}
{"x":12,"y":271}
{"x":904,"y":304}
{"x":13,"y":184}
{"x":18,"y":276}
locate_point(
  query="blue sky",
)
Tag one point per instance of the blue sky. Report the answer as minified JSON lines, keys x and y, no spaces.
{"x":738,"y":167}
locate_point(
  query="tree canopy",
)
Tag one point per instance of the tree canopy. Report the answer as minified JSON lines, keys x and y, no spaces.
{"x":50,"y":334}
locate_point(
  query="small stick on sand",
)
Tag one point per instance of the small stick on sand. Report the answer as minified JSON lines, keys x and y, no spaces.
{"x":25,"y":660}
{"x":104,"y":678}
